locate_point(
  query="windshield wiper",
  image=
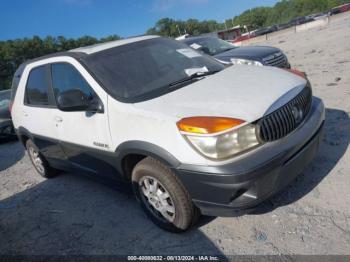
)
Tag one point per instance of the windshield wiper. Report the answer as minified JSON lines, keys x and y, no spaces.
{"x":192,"y":77}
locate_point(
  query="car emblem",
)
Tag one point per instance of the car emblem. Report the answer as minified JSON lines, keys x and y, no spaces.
{"x":297,"y":114}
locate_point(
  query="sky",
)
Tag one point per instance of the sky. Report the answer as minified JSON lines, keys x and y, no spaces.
{"x":100,"y":18}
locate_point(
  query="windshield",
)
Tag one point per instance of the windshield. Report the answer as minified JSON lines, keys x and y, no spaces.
{"x":210,"y":45}
{"x":146,"y":69}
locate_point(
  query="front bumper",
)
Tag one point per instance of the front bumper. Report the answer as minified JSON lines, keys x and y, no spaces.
{"x":228,"y":189}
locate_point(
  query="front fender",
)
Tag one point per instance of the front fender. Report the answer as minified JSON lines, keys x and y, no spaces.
{"x":145,"y":148}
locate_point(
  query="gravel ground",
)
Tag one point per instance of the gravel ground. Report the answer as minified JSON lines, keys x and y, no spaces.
{"x":75,"y":215}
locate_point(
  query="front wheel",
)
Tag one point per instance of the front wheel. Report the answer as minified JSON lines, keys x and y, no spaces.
{"x":162,"y":196}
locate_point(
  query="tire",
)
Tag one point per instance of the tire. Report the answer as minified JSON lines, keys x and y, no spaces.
{"x":39,"y":162}
{"x":181,"y":214}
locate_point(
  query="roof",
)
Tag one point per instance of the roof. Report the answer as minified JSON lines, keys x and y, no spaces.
{"x":100,"y":47}
{"x":75,"y":55}
{"x":80,"y":52}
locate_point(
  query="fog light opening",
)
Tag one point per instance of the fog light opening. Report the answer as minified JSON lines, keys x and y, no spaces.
{"x":238,"y":193}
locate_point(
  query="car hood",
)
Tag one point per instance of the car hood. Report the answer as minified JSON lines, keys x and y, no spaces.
{"x":240,"y":91}
{"x":256,"y":53}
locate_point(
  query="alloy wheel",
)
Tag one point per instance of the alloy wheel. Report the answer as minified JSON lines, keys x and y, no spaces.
{"x":156,"y":198}
{"x":36,"y":159}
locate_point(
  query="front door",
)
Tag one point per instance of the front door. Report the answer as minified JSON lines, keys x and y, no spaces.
{"x":84,"y":136}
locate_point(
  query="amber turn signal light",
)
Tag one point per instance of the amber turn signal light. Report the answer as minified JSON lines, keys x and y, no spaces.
{"x":207,"y":124}
{"x":297,"y":72}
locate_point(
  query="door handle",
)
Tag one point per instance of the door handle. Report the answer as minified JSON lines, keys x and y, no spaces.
{"x":25,"y":113}
{"x":58,"y":119}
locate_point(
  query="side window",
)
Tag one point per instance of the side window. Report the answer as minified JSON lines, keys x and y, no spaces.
{"x":37,"y":88}
{"x":66,"y":77}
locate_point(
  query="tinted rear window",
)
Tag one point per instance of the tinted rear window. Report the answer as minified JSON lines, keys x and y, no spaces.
{"x":37,"y":88}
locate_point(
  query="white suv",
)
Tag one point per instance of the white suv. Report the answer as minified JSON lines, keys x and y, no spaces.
{"x":190,"y":135}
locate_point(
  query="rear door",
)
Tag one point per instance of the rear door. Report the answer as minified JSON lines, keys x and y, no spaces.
{"x":84,"y":136}
{"x":38,"y":113}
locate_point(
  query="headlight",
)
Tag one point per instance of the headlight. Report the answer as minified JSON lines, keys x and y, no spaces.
{"x":245,"y":62}
{"x":223,"y":144}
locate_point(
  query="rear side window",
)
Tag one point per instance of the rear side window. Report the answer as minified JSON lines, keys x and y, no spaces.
{"x":37,"y":89}
{"x":66,"y":77}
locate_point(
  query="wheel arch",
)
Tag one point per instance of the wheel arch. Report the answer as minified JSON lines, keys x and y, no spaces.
{"x":23,"y":135}
{"x":131,"y":152}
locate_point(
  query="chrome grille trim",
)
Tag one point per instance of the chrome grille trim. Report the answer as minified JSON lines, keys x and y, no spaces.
{"x":278,"y":59}
{"x":287,"y":118}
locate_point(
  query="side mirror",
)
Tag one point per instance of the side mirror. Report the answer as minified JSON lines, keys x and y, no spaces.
{"x":75,"y":100}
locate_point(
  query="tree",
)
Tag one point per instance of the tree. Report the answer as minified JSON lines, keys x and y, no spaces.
{"x":253,"y":18}
{"x":170,"y":27}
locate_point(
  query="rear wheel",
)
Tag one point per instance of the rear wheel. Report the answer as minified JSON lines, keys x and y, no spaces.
{"x":162,"y":196}
{"x":38,"y":160}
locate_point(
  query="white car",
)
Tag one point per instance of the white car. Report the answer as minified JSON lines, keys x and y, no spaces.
{"x":189,"y":135}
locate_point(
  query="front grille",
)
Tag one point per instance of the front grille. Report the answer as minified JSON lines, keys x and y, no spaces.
{"x":287,"y":118}
{"x":278,"y":59}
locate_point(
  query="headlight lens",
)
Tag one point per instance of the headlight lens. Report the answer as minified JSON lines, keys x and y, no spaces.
{"x":227,"y":144}
{"x":245,"y":62}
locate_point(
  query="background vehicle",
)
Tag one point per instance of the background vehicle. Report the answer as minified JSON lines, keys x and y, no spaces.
{"x":318,"y":16}
{"x":190,"y":135}
{"x":228,"y":53}
{"x":301,"y":20}
{"x":265,"y":30}
{"x":339,"y":9}
{"x":6,"y":127}
{"x":334,"y":11}
{"x":284,"y":26}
